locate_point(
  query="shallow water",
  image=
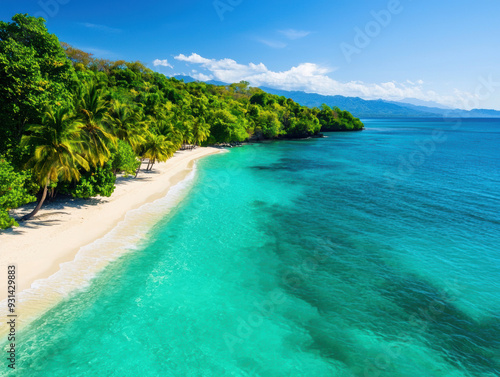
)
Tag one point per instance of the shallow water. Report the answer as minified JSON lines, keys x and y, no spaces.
{"x":373,"y":253}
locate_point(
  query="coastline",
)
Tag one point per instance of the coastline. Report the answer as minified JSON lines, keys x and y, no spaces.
{"x":52,"y":240}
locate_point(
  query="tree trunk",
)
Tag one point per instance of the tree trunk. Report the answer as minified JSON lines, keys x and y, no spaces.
{"x":139,"y":168}
{"x":150,"y":164}
{"x":51,"y":193}
{"x":38,"y":206}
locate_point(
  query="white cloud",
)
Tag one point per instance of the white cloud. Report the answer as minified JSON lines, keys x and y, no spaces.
{"x":313,"y":78}
{"x":294,"y":34}
{"x":202,"y":77}
{"x":226,"y":70}
{"x":163,"y":63}
{"x":193,"y":58}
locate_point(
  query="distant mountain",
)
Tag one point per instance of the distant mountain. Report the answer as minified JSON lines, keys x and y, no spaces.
{"x":380,"y":109}
{"x":188,"y":79}
{"x":360,"y":108}
{"x":448,"y":112}
{"x":435,"y":110}
{"x":357,"y":106}
{"x":419,"y":102}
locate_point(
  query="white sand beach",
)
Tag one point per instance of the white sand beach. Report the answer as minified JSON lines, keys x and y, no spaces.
{"x":38,"y":247}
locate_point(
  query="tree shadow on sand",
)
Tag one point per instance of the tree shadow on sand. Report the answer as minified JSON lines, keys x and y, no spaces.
{"x":60,"y":207}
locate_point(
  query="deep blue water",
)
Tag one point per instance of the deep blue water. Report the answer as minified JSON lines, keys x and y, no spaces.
{"x":373,"y":253}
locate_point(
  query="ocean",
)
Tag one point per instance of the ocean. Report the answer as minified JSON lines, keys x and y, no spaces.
{"x":373,"y":253}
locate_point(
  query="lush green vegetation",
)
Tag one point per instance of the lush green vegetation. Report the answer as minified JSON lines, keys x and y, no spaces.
{"x":338,"y":120}
{"x":70,"y":122}
{"x":14,"y":192}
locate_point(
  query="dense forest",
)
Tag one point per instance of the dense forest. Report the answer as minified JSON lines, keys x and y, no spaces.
{"x":70,"y":122}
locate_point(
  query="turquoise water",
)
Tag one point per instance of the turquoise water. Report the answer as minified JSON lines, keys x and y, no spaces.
{"x":362,"y":254}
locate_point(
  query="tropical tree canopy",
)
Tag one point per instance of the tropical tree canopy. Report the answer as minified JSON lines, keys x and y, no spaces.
{"x":69,"y":122}
{"x":57,"y":150}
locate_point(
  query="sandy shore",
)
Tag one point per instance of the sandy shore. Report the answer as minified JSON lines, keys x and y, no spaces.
{"x":54,"y":237}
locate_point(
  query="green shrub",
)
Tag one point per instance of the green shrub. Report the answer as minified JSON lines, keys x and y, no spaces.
{"x":124,"y":159}
{"x":14,"y":191}
{"x":6,"y":221}
{"x":96,"y":182}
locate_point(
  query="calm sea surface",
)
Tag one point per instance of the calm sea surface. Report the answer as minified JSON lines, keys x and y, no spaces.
{"x":374,"y":253}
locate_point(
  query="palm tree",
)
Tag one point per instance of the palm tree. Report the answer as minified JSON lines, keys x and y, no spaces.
{"x":91,"y":109}
{"x":57,"y":151}
{"x":185,"y":128}
{"x":157,"y":148}
{"x":164,"y":126}
{"x":201,"y":131}
{"x":125,"y":124}
{"x":146,"y":123}
{"x":183,"y":124}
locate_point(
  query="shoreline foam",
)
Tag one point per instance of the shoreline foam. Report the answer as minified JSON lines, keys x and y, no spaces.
{"x":59,"y":252}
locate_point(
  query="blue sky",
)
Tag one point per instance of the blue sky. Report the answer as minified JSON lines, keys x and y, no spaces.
{"x":443,"y":51}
